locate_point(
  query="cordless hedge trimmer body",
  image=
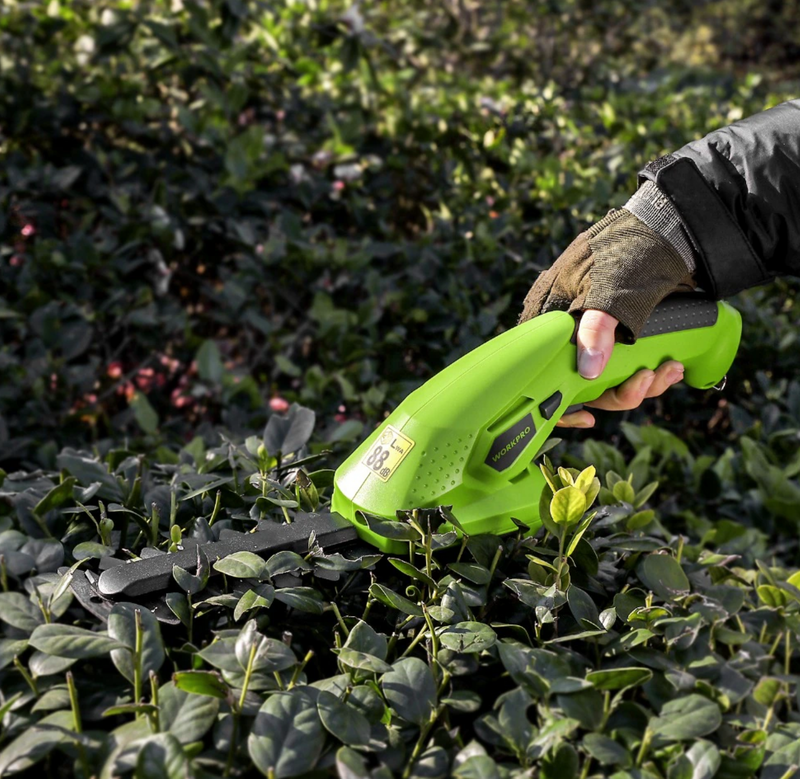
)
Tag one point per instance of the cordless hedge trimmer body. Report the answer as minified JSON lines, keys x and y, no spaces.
{"x":467,"y":438}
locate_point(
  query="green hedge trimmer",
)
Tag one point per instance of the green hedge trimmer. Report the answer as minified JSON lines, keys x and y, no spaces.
{"x":467,"y":439}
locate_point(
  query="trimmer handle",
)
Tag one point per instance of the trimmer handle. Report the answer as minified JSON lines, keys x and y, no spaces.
{"x":701,"y":333}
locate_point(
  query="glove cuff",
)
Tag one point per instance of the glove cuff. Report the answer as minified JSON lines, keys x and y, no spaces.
{"x":655,"y":209}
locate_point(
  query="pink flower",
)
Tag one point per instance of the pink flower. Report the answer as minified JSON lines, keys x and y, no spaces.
{"x":279,"y":405}
{"x":128,"y":390}
{"x":28,"y":230}
{"x":15,"y":261}
{"x":114,"y":370}
{"x":260,"y":248}
{"x":144,"y":383}
{"x":338,"y":186}
{"x":169,"y":363}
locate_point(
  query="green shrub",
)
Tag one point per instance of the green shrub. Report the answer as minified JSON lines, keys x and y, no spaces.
{"x":206,"y":205}
{"x":211,"y":210}
{"x":601,"y":642}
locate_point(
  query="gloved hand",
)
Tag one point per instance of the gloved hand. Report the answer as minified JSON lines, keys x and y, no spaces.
{"x":614,"y":273}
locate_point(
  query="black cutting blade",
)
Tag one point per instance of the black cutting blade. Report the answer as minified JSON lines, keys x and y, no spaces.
{"x":153,"y":575}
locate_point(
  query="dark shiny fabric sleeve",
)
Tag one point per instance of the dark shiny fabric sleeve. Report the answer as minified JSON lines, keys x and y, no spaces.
{"x":737,"y":191}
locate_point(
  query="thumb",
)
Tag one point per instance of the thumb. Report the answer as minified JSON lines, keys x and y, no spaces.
{"x":595,"y":342}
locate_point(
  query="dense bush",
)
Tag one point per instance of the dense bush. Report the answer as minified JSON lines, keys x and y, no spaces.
{"x":210,"y":210}
{"x":604,"y":642}
{"x":206,"y":207}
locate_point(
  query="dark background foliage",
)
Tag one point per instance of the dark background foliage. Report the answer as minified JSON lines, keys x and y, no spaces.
{"x":211,"y":210}
{"x":207,"y":205}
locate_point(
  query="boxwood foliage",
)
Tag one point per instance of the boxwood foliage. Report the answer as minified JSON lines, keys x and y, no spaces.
{"x":603,"y":643}
{"x":210,"y":209}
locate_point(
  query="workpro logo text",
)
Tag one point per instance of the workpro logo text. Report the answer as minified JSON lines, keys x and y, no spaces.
{"x":510,"y":444}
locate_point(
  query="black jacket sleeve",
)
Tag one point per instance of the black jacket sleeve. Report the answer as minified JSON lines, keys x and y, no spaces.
{"x":737,"y":192}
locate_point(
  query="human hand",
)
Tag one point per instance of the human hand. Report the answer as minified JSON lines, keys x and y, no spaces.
{"x":612,"y":275}
{"x":596,"y":335}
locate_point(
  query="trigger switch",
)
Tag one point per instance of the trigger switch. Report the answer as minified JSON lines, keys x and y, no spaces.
{"x":549,"y":407}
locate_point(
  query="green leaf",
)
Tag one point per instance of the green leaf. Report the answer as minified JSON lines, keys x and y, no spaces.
{"x":59,"y":495}
{"x":285,"y":562}
{"x":690,"y":717}
{"x":192,"y":583}
{"x":287,"y":735}
{"x":242,"y":565}
{"x":391,"y":599}
{"x":269,"y":655}
{"x":463,"y":701}
{"x":221,"y":653}
{"x":178,"y":604}
{"x":607,"y":751}
{"x":640,"y":519}
{"x":623,"y":492}
{"x":187,"y":716}
{"x":350,"y":765}
{"x":72,"y":642}
{"x":41,"y":664}
{"x":91,"y":550}
{"x":410,"y":690}
{"x":644,"y":494}
{"x":201,"y":683}
{"x":703,"y":759}
{"x":289,"y":433}
{"x":144,"y":413}
{"x":87,"y":471}
{"x":772,"y":596}
{"x":305,"y":599}
{"x":343,"y":721}
{"x":783,"y":763}
{"x":585,"y":479}
{"x":561,"y":763}
{"x":35,"y":743}
{"x":663,"y":575}
{"x":161,"y":757}
{"x":396,"y":531}
{"x":475,"y":766}
{"x":767,"y":690}
{"x":364,"y":638}
{"x":568,"y":506}
{"x":11,"y":648}
{"x":585,"y":706}
{"x":619,"y":678}
{"x":583,"y":609}
{"x":57,"y":693}
{"x":363,"y":661}
{"x":473,"y":572}
{"x":122,"y":627}
{"x":211,"y":486}
{"x":209,"y":363}
{"x":256,"y":598}
{"x":19,"y":611}
{"x":125,"y":708}
{"x":468,"y":637}
{"x":513,"y":721}
{"x":412,"y":572}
